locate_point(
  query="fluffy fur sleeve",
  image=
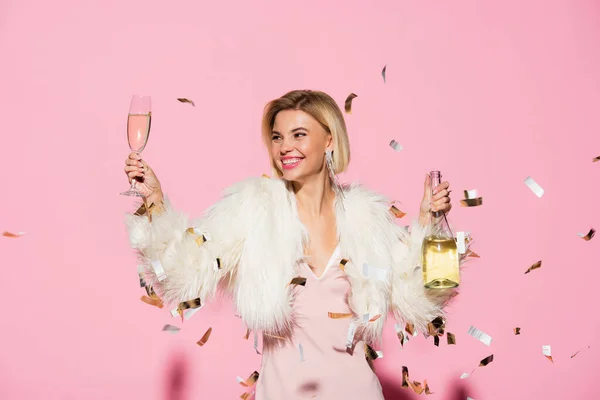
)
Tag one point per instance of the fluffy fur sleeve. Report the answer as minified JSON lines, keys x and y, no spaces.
{"x":411,"y":301}
{"x":192,"y":269}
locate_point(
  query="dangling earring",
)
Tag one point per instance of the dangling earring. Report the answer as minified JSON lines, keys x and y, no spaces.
{"x":334,"y":181}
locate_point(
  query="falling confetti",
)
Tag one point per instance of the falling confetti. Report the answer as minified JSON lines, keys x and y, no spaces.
{"x":535,"y":188}
{"x":247,"y":335}
{"x":464,"y":375}
{"x":414,"y":385}
{"x":370,"y":353}
{"x":200,"y":237}
{"x":184,"y":305}
{"x":476,"y":202}
{"x":577,"y":352}
{"x":451,"y":338}
{"x":547,"y":351}
{"x":256,"y":343}
{"x":396,"y":211}
{"x":158,"y":270}
{"x":517,"y":331}
{"x":383,"y":72}
{"x":250,"y":381}
{"x":395,"y":145}
{"x":170,"y":328}
{"x":460,"y":243}
{"x":217,"y":264}
{"x":534,"y":266}
{"x":596,"y":159}
{"x":301,"y":350}
{"x":480,"y":335}
{"x":141,"y":275}
{"x":337,"y":315}
{"x":12,"y":235}
{"x":204,"y":337}
{"x":348,"y":103}
{"x":589,"y":235}
{"x":486,"y":360}
{"x":350,"y":335}
{"x":184,"y":100}
{"x":156,"y":302}
{"x":299,"y":280}
{"x":343,"y":263}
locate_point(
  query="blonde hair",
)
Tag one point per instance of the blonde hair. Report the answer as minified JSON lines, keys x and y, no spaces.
{"x":321,"y":107}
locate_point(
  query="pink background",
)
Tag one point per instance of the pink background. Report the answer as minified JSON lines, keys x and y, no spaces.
{"x":487,"y":93}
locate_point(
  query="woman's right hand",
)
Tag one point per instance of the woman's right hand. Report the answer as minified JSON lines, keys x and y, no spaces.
{"x":146,"y":181}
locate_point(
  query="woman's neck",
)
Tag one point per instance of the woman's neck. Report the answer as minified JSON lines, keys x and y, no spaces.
{"x":314,"y":196}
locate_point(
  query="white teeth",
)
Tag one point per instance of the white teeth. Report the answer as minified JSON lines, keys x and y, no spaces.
{"x":290,"y":161}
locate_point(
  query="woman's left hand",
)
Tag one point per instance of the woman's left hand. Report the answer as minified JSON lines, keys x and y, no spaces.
{"x":440,"y":201}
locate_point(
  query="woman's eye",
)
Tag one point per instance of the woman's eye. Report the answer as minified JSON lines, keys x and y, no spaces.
{"x":275,"y":137}
{"x":299,"y":134}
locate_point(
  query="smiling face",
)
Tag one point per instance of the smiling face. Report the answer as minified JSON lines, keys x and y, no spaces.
{"x":298,"y":145}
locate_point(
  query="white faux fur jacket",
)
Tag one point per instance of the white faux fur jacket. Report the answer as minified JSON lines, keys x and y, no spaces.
{"x":255,"y":232}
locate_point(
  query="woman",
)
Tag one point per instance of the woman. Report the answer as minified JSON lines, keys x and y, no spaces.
{"x":341,"y":243}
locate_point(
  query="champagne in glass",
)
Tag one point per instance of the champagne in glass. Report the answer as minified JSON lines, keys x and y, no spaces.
{"x":138,"y":130}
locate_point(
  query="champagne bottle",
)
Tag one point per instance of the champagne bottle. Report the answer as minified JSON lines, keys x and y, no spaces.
{"x":439,"y":257}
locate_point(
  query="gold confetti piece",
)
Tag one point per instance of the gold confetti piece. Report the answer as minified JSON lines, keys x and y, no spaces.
{"x":480,"y":335}
{"x":471,"y":253}
{"x":141,"y":211}
{"x":397,"y":213}
{"x":375,"y":318}
{"x":274,"y":336}
{"x":577,"y":352}
{"x":266,"y":176}
{"x":533,"y":185}
{"x":245,"y":396}
{"x":299,"y":280}
{"x":200,"y":238}
{"x":436,"y":341}
{"x":343,"y":263}
{"x":395,"y":145}
{"x":156,"y":302}
{"x":204,"y":337}
{"x":184,"y":100}
{"x":472,"y":202}
{"x":247,"y":335}
{"x":427,"y":390}
{"x":534,"y":266}
{"x":184,"y":305}
{"x":410,"y":329}
{"x":451,"y":338}
{"x":337,"y":315}
{"x":517,"y":331}
{"x":383,"y":72}
{"x":217,"y":264}
{"x":250,"y":381}
{"x":589,"y":235}
{"x":486,"y":360}
{"x":170,"y":328}
{"x":547,"y":352}
{"x":596,"y":159}
{"x":416,"y":387}
{"x":348,"y":103}
{"x":370,"y":353}
{"x":12,"y":235}
{"x":405,"y":377}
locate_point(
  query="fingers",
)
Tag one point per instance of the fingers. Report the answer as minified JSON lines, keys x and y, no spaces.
{"x":441,"y":186}
{"x":443,"y":204}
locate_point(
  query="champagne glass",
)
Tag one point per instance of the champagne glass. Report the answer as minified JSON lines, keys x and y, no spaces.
{"x":138,"y":130}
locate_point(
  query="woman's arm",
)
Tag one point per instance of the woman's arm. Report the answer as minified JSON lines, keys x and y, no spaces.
{"x":185,"y":259}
